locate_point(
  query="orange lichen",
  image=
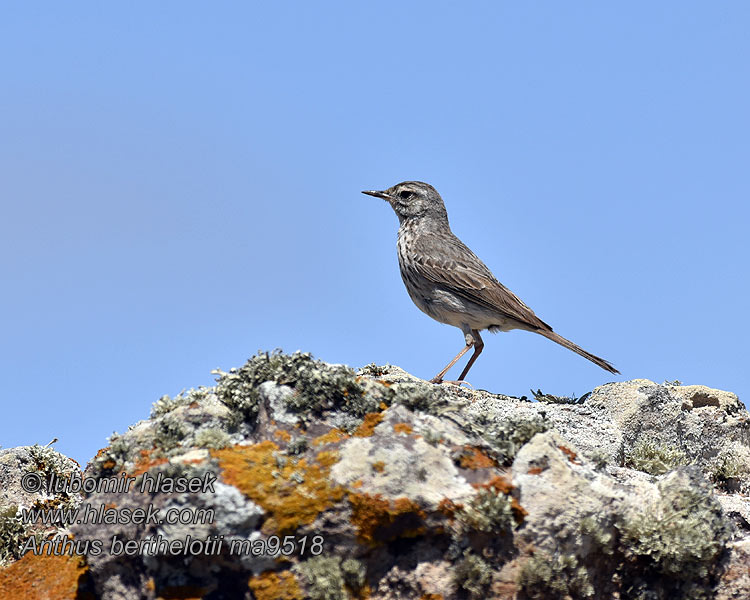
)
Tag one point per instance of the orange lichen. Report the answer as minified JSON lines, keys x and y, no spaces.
{"x":357,"y":484}
{"x":448,"y":507}
{"x":572,"y":456}
{"x":333,"y":436}
{"x":327,"y":458}
{"x":292,"y":493}
{"x":38,"y":577}
{"x":474,"y":458}
{"x":380,"y":520}
{"x":378,"y":466}
{"x":50,"y":504}
{"x":404,"y":428}
{"x":275,"y":586}
{"x":499,"y":483}
{"x":367,"y":428}
{"x":145,"y":462}
{"x":283,"y":435}
{"x":107,"y":464}
{"x":535,"y":470}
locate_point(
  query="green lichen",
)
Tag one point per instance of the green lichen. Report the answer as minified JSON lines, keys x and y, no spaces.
{"x":13,"y":535}
{"x":318,"y":387}
{"x":473,"y":574}
{"x":373,"y":370}
{"x":167,"y":404}
{"x":48,"y":461}
{"x":329,"y":578}
{"x":509,"y":435}
{"x":600,"y":458}
{"x":682,"y":534}
{"x":170,"y":431}
{"x":598,"y":533}
{"x":346,"y":422}
{"x":731,"y":464}
{"x":112,"y":459}
{"x":324,"y":578}
{"x":237,"y":389}
{"x":416,"y":396}
{"x":655,"y":459}
{"x":211,"y":438}
{"x":489,"y":511}
{"x":297,"y":446}
{"x":354,"y":573}
{"x":560,"y":576}
{"x":164,"y":405}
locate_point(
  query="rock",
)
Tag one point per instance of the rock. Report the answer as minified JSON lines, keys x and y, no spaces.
{"x":735,"y":579}
{"x":292,"y":478}
{"x":43,"y":462}
{"x":32,"y":479}
{"x":679,"y":424}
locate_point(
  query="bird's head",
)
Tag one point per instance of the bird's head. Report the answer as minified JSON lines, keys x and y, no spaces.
{"x":413,"y":199}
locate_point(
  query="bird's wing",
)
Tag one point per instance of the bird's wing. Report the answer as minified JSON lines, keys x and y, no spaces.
{"x":447,"y":261}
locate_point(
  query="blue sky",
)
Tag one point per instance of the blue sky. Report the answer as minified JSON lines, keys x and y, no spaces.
{"x":180,"y":187}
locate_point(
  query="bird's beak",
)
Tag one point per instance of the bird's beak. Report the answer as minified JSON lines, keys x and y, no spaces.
{"x":382,"y":195}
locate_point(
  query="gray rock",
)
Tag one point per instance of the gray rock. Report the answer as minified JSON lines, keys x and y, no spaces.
{"x":274,"y":395}
{"x":33,"y":478}
{"x":384,"y":486}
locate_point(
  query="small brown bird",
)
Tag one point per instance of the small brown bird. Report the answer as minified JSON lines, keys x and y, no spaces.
{"x":448,"y":282}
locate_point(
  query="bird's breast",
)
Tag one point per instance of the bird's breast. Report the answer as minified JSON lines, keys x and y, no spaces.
{"x":437,"y":299}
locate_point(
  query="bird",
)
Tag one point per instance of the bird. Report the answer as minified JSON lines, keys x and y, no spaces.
{"x":449,"y":283}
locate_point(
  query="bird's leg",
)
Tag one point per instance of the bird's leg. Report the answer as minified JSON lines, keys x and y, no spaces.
{"x":469,"y":343}
{"x":478,"y":347}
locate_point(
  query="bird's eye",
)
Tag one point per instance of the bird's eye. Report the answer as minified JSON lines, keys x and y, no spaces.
{"x":405,"y":195}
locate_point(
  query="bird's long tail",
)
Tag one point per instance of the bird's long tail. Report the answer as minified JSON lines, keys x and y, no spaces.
{"x":556,"y":337}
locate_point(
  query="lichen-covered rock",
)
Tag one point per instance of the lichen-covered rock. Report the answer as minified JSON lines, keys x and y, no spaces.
{"x":667,"y":425}
{"x":294,"y":479}
{"x":30,"y":483}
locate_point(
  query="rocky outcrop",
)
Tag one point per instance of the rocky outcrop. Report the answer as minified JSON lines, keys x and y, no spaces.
{"x":292,"y":478}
